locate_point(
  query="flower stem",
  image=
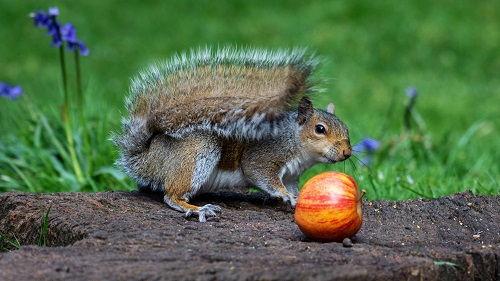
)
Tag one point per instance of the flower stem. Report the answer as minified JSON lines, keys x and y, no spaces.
{"x":407,"y":113}
{"x":67,"y":120}
{"x":81,"y":106}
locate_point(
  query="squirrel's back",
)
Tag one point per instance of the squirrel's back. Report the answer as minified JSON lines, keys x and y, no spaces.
{"x":212,"y":89}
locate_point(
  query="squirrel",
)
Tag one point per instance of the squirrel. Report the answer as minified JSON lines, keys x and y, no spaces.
{"x":218,"y":119}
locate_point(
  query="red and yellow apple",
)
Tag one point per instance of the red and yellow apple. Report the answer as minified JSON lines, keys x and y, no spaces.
{"x":329,"y":207}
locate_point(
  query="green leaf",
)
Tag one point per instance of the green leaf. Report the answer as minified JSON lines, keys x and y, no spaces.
{"x":439,"y":263}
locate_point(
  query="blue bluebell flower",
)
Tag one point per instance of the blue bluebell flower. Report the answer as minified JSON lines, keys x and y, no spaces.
{"x":58,"y":33}
{"x":40,"y":19}
{"x":48,"y":21}
{"x":367,"y":145}
{"x":53,"y":11}
{"x":411,"y":92}
{"x":83,"y":49}
{"x":69,"y":35}
{"x":9,"y":91}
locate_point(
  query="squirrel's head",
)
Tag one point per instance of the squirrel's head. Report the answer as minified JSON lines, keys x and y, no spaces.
{"x":323,"y":136}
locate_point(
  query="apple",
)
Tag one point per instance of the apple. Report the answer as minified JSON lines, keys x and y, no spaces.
{"x":329,"y":207}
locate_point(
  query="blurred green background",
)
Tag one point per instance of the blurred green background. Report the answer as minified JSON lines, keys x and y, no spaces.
{"x":372,"y":51}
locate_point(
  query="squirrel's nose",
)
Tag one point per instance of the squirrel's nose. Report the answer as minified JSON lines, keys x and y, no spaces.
{"x":347,"y":152}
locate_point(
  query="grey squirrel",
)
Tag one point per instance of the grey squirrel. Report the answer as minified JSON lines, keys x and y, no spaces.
{"x":218,"y":119}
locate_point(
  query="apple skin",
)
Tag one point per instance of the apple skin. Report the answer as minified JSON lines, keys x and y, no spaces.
{"x":329,"y":207}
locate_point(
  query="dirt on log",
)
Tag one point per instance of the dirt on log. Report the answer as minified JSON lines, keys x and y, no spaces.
{"x":134,"y":236}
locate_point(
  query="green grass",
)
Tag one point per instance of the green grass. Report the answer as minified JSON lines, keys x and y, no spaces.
{"x":372,"y":51}
{"x":42,"y":238}
{"x":7,"y":244}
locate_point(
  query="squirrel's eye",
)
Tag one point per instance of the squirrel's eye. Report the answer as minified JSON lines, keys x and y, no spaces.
{"x":320,"y":129}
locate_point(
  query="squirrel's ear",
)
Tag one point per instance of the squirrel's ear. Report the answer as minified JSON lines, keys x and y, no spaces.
{"x":305,"y":110}
{"x":330,"y":108}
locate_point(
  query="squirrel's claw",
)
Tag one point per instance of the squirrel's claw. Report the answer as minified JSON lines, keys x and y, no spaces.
{"x":208,"y":210}
{"x":286,"y":196}
{"x":291,"y":199}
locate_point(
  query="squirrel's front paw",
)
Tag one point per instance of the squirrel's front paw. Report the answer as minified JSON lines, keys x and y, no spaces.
{"x":208,"y":210}
{"x":292,"y":199}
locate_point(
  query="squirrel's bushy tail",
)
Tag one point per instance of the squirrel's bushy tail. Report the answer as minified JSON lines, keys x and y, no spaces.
{"x":230,"y":91}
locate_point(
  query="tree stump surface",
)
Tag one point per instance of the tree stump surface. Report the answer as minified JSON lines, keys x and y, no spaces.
{"x":134,"y":236}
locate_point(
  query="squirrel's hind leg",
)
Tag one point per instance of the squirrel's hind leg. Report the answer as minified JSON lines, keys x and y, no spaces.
{"x":200,"y":155}
{"x":179,"y":201}
{"x":182,"y":205}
